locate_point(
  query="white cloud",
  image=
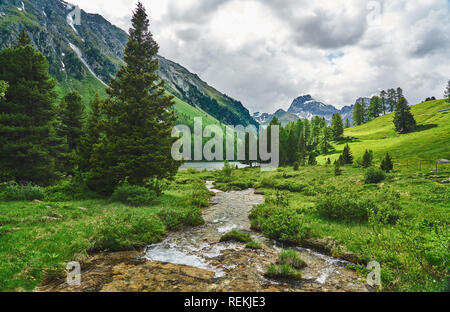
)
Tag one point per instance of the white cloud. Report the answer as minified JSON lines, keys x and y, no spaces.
{"x":266,"y":52}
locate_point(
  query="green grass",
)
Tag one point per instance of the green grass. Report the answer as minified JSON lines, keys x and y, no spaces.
{"x":288,"y":266}
{"x":429,"y":142}
{"x":236,"y":236}
{"x":38,"y":238}
{"x":253,"y":245}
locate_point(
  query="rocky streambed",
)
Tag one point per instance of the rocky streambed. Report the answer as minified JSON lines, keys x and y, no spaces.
{"x":193,"y":259}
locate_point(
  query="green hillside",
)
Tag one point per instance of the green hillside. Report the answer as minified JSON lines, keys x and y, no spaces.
{"x":429,"y":142}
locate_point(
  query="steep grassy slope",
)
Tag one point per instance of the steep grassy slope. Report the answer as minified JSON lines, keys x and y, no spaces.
{"x":429,"y":142}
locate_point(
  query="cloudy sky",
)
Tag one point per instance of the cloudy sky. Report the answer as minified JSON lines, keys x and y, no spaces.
{"x":267,"y":52}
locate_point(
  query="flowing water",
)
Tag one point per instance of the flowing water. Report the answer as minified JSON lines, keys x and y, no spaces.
{"x":238,"y":269}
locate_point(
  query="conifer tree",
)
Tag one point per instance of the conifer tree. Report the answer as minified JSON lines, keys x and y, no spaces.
{"x":391,"y":99}
{"x":312,"y":159}
{"x":358,"y":118}
{"x":403,"y":119}
{"x":347,"y":156}
{"x":28,"y":142}
{"x":386,"y":163}
{"x":137,"y":118}
{"x":375,"y":108}
{"x":72,"y":118}
{"x":324,"y":144}
{"x":90,"y":137}
{"x":367,"y":159}
{"x":23,"y":39}
{"x":383,"y":101}
{"x":338,"y":126}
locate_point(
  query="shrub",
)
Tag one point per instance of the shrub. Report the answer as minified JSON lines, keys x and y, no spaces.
{"x":126,"y":231}
{"x":200,"y":195}
{"x":14,"y":192}
{"x":236,"y":236}
{"x":291,"y":258}
{"x":227,"y":170}
{"x":374,"y":175}
{"x":296,"y":166}
{"x":285,"y":225}
{"x":133,"y":195}
{"x":174,"y":219}
{"x":344,"y":207}
{"x":337,"y":169}
{"x":253,"y":245}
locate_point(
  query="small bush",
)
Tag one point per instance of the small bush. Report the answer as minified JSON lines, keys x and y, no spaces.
{"x":133,"y":195}
{"x":15,"y":192}
{"x":367,"y":159}
{"x":285,"y":225}
{"x":253,"y":245}
{"x":127,"y":231}
{"x":284,"y":271}
{"x":344,"y":207}
{"x":291,"y":258}
{"x":236,"y":236}
{"x":374,"y":175}
{"x":200,"y":195}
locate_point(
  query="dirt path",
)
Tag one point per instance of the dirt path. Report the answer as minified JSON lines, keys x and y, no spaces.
{"x":194,"y":260}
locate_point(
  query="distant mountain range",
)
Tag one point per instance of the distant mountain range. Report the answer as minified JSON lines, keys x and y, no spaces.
{"x":306,"y":107}
{"x":84,"y":57}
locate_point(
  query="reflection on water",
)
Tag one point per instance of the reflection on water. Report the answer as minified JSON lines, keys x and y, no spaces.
{"x":209,"y":165}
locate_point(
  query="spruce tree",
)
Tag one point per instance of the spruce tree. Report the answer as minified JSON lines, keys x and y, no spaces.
{"x":391,"y":99}
{"x":375,"y":108}
{"x":386,"y":163}
{"x":367,"y":159}
{"x":403,"y":119}
{"x":72,"y":117}
{"x":138,"y":118}
{"x":312,"y":159}
{"x":90,"y":137}
{"x":347,"y":156}
{"x":358,"y":118}
{"x":338,"y":126}
{"x":447,"y":92}
{"x":383,"y":101}
{"x":23,"y":39}
{"x":324,"y":144}
{"x":28,"y":142}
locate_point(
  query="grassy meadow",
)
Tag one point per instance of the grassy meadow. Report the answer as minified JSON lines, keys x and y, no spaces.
{"x":38,"y":237}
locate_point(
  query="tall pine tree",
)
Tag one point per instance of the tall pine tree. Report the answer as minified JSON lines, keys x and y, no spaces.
{"x":403,"y":119}
{"x":28,"y":139}
{"x":90,"y":137}
{"x":358,"y":118}
{"x":72,"y":117}
{"x":138,"y":118}
{"x":375,"y":107}
{"x":338,"y":126}
{"x":391,"y":99}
